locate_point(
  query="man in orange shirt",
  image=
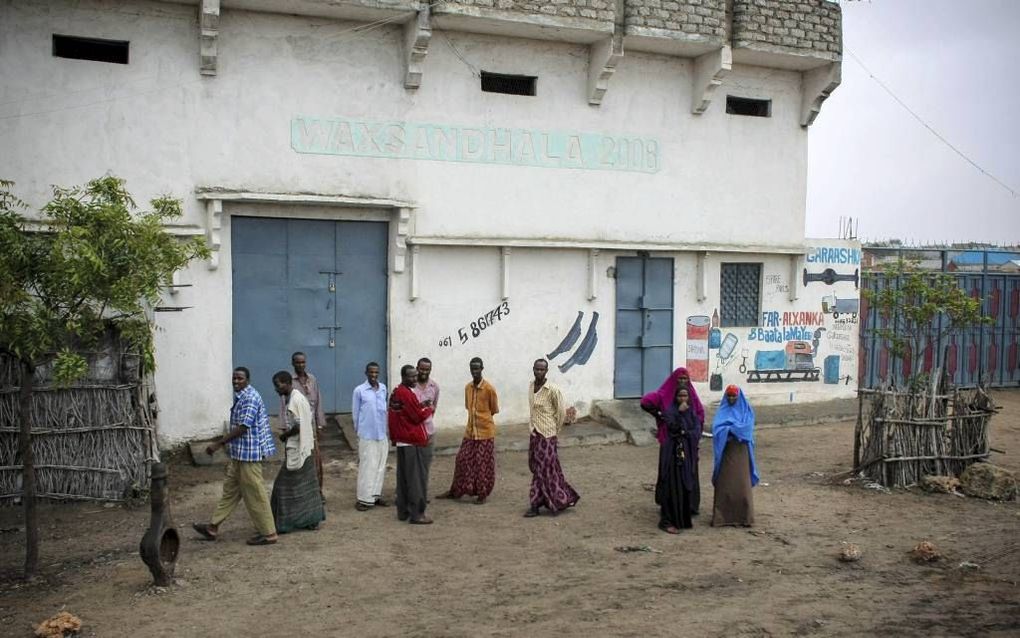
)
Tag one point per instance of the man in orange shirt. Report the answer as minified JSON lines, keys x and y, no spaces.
{"x":475,"y":472}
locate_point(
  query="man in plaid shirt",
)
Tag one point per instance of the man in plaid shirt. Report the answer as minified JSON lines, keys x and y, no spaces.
{"x":248,"y":442}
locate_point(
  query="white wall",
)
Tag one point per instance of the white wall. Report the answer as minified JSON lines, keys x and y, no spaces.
{"x":733,"y":181}
{"x":549,"y":287}
{"x":164,"y":128}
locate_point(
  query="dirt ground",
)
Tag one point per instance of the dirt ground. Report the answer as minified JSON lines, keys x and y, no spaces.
{"x":484,"y":570}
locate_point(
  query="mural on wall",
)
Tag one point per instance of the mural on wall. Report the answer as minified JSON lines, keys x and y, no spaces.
{"x":829,"y":276}
{"x":587,"y":347}
{"x":849,"y":308}
{"x":809,"y":341}
{"x":475,"y":329}
{"x":793,"y":339}
{"x":834,"y":255}
{"x":699,"y":329}
{"x":724,"y":356}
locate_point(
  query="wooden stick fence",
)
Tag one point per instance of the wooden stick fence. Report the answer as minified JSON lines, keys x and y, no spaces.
{"x":92,"y":441}
{"x":905,"y":436}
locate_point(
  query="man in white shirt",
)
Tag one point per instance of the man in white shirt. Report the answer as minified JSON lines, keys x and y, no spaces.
{"x":369,"y":412}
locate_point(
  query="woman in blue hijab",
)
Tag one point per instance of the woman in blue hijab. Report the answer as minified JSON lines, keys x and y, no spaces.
{"x":735,"y":472}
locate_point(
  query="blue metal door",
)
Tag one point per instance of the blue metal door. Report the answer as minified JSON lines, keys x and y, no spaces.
{"x":318,"y":287}
{"x":644,"y":324}
{"x":361,"y":316}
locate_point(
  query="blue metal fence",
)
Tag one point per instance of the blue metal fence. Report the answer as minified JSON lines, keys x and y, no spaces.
{"x":988,"y":354}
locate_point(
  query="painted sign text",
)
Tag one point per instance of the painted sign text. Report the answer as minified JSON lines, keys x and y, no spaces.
{"x":477,"y":145}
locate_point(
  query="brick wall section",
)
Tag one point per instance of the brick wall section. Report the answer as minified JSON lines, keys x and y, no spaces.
{"x":697,"y":17}
{"x":597,"y":10}
{"x":805,"y":26}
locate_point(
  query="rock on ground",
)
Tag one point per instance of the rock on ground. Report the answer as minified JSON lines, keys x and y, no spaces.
{"x":850,"y":553}
{"x":984,"y":480}
{"x":58,"y":626}
{"x":942,"y":484}
{"x":926,"y":552}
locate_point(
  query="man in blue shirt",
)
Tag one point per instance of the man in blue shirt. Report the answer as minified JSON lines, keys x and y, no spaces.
{"x":369,"y":412}
{"x":248,"y":442}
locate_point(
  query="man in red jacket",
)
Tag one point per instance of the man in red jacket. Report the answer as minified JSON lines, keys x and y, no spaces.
{"x":406,"y":419}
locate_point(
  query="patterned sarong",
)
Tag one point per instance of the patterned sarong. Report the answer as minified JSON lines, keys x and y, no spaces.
{"x":548,"y":485}
{"x":296,"y":501}
{"x":475,"y":471}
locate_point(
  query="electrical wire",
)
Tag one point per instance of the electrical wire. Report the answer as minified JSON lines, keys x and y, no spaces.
{"x":925,"y":124}
{"x":474,"y":70}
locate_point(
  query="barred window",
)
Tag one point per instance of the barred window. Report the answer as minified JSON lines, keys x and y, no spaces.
{"x":740,"y":295}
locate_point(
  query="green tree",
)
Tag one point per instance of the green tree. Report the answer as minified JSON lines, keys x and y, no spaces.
{"x":910,"y":304}
{"x":92,"y":262}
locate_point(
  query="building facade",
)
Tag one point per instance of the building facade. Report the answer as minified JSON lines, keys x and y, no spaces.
{"x":617,"y":186}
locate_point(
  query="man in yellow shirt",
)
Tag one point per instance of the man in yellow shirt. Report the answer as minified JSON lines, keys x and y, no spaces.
{"x":475,"y":472}
{"x":548,"y":416}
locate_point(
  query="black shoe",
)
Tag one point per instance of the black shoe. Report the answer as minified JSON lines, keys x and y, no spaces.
{"x":531,"y":513}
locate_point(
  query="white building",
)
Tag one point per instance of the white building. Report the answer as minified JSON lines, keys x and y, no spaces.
{"x":371,"y":190}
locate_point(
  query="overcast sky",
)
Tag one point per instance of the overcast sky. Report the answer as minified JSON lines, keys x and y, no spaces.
{"x":956,"y":63}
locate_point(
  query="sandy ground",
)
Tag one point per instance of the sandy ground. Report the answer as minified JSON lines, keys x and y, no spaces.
{"x":484,"y":570}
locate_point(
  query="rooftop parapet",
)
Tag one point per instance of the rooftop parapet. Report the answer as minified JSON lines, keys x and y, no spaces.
{"x":792,"y":34}
{"x":676,"y":27}
{"x":583,"y":21}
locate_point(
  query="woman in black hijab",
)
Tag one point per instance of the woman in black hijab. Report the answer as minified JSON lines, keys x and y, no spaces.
{"x":673,"y":490}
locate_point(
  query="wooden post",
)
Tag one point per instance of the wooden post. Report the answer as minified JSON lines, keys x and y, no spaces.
{"x":28,"y":488}
{"x":858,"y":431}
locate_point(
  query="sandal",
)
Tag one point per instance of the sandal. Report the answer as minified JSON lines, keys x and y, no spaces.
{"x":424,"y":520}
{"x":531,"y":513}
{"x":361,"y":507}
{"x":203,"y":529}
{"x":261,"y":540}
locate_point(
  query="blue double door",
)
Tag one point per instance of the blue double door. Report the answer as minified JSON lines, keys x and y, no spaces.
{"x":313,"y":286}
{"x":644,"y":324}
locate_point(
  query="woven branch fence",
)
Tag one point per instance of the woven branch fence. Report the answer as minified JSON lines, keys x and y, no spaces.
{"x":905,"y":436}
{"x":92,"y":441}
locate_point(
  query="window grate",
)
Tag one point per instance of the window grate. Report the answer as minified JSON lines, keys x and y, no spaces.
{"x":748,"y":106}
{"x":95,"y":49}
{"x":508,"y":84}
{"x":739,"y":295}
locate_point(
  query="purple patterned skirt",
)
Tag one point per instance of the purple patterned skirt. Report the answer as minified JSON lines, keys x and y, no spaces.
{"x":475,"y":471}
{"x":548,"y":485}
